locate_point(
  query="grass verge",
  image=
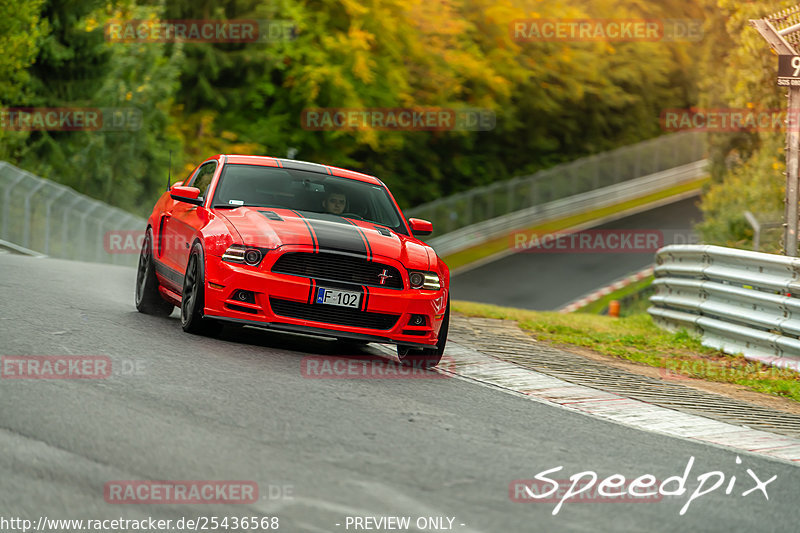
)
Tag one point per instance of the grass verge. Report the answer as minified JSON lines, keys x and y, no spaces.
{"x":495,"y":246}
{"x":600,"y":305}
{"x":636,"y":338}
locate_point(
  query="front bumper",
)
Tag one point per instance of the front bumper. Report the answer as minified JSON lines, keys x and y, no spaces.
{"x":286,"y":302}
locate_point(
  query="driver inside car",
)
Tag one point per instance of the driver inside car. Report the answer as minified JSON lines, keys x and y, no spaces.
{"x":335,"y":201}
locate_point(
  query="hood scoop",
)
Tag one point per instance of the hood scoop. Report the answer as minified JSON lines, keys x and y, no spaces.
{"x":383,"y":231}
{"x":272,"y":215}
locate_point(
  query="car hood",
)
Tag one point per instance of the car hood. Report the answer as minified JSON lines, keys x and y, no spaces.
{"x":272,"y":228}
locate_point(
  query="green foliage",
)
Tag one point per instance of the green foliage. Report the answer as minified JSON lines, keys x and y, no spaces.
{"x":637,"y":339}
{"x":755,"y":185}
{"x":554,"y":101}
{"x":21,"y":32}
{"x":77,"y":67}
{"x":739,"y":71}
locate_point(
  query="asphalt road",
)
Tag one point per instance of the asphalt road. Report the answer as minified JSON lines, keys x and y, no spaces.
{"x":546,"y":281}
{"x":238,"y":408}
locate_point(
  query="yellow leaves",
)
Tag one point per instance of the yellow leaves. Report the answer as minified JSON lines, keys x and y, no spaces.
{"x":361,"y":68}
{"x":360,"y":42}
{"x":128,"y":96}
{"x":244,"y":148}
{"x":355,"y":8}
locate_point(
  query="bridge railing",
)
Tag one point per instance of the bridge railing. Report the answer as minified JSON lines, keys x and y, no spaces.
{"x":594,"y":172}
{"x":739,"y":301}
{"x":47,"y":217}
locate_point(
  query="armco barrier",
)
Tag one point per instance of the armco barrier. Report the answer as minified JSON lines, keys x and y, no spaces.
{"x":562,"y":181}
{"x":52,"y":219}
{"x":55,"y":220}
{"x":610,"y":195}
{"x":739,"y":301}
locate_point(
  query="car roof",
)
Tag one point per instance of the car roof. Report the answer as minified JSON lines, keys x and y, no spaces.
{"x":267,"y":161}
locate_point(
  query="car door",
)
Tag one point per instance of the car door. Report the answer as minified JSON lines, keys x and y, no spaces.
{"x":184,"y":220}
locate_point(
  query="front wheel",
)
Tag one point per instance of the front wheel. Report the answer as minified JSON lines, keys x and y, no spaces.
{"x":193,"y":297}
{"x":148,"y":299}
{"x":426,"y":357}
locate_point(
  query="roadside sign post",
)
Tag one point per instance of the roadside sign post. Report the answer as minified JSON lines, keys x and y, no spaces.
{"x":788,"y":76}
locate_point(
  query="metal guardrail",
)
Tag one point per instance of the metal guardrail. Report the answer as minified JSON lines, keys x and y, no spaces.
{"x":589,"y":173}
{"x":482,"y":232}
{"x":50,"y":218}
{"x":739,"y":301}
{"x":57,"y":221}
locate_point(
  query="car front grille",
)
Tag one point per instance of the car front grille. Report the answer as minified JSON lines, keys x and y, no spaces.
{"x":329,"y":314}
{"x":338,"y":267}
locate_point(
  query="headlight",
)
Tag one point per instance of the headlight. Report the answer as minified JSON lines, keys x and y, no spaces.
{"x":252,"y":256}
{"x":424,"y":280}
{"x":237,"y":253}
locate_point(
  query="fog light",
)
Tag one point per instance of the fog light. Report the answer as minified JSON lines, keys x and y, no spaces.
{"x":417,"y":320}
{"x":244,"y":296}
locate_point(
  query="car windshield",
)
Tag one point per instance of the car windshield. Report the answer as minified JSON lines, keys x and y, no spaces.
{"x":300,"y":190}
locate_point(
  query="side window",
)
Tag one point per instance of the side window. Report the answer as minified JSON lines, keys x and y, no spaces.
{"x":203,"y":177}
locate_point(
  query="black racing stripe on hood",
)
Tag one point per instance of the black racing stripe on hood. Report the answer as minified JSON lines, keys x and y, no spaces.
{"x":314,"y":242}
{"x":364,"y":237}
{"x":335,"y":233}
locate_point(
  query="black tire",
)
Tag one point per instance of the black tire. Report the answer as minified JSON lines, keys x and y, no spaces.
{"x":426,"y":357}
{"x":193,"y":298}
{"x":148,"y":299}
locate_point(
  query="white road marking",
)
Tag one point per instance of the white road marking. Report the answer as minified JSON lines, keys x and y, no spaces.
{"x":471,"y":365}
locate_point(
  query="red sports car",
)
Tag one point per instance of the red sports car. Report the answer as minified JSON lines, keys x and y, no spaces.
{"x":294,"y":246}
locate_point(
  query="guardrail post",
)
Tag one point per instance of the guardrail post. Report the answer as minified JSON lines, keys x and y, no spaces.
{"x":7,"y":205}
{"x":64,"y":225}
{"x":510,"y":195}
{"x":596,"y":175}
{"x":48,"y":208}
{"x":26,"y":228}
{"x":84,"y":216}
{"x":533,"y":192}
{"x":100,"y":237}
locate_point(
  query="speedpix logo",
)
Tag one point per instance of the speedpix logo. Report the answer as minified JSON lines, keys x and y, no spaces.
{"x":544,"y":489}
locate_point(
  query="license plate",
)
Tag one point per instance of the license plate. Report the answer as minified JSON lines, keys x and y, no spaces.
{"x":337,"y":297}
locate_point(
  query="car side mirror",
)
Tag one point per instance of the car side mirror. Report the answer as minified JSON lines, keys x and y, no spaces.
{"x":176,"y":184}
{"x":420,"y":227}
{"x":190,"y":195}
